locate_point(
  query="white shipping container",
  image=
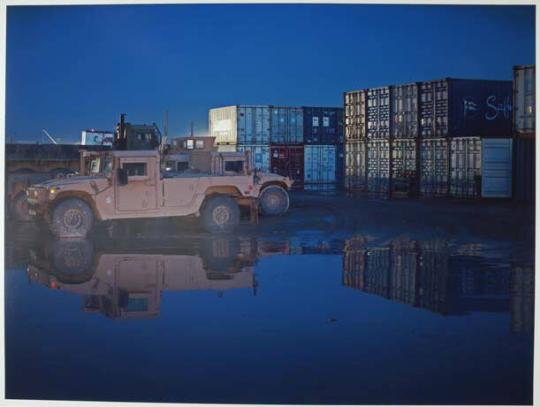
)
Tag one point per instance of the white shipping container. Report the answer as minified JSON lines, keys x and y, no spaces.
{"x":226,"y":148}
{"x":497,"y":168}
{"x":319,"y":163}
{"x":222,"y":124}
{"x":524,"y":99}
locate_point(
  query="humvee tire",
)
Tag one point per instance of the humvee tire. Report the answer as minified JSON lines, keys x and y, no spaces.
{"x":73,"y":260}
{"x":72,"y":218}
{"x":219,"y":254}
{"x":220,"y":214}
{"x":19,"y":208}
{"x":274,"y":201}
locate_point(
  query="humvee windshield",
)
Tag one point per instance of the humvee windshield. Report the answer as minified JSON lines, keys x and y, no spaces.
{"x":100,"y":165}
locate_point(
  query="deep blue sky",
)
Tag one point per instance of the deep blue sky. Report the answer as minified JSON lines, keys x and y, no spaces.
{"x":71,"y":68}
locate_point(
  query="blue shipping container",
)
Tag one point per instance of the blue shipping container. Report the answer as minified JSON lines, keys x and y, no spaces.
{"x":465,"y":108}
{"x":253,"y":124}
{"x":319,"y":164}
{"x":323,"y":125}
{"x":260,"y":156}
{"x":287,"y":125}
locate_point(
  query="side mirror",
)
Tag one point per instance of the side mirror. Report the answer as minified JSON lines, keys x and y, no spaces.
{"x":122,"y":176}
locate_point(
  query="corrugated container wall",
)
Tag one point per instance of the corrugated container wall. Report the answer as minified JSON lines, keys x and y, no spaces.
{"x":434,"y":167}
{"x":254,"y":125}
{"x":355,"y":166}
{"x":497,"y":168}
{"x":378,"y":113}
{"x":404,"y":111}
{"x":404,"y":167}
{"x":524,"y":100}
{"x":260,"y":156}
{"x":289,"y":162}
{"x":524,"y":169}
{"x":287,"y":125}
{"x":378,"y":167}
{"x":323,"y":125}
{"x":465,"y":167}
{"x":355,"y":115}
{"x":319,"y":164}
{"x":340,"y":164}
{"x":465,"y":108}
{"x":226,"y":148}
{"x":222,"y":124}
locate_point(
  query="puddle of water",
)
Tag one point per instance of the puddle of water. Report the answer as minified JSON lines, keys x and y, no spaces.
{"x":296,"y":317}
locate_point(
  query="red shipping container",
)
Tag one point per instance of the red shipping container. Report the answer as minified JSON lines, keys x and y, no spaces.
{"x":289,"y":162}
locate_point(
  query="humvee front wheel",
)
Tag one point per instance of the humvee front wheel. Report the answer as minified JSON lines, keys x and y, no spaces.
{"x":73,"y":260}
{"x":274,"y":200}
{"x":220,"y":213}
{"x":72,"y":218}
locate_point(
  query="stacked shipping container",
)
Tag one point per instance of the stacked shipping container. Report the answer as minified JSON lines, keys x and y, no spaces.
{"x":323,"y":152}
{"x":524,"y":133}
{"x":303,"y":143}
{"x":423,"y":137}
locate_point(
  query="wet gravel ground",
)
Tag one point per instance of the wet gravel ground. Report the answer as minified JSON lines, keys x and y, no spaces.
{"x":342,"y":301}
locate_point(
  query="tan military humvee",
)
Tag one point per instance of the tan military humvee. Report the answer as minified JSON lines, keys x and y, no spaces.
{"x":130,"y":184}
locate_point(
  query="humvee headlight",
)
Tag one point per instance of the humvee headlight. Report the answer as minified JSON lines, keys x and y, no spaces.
{"x":52,"y":191}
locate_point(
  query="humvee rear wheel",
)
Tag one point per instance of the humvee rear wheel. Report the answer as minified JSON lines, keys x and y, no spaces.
{"x":274,"y":200}
{"x":220,"y":213}
{"x":72,"y":218}
{"x":19,"y":208}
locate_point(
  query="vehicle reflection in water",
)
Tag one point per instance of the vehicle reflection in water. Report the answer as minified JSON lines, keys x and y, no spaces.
{"x":130,"y":285}
{"x":423,"y":274}
{"x":126,"y":277}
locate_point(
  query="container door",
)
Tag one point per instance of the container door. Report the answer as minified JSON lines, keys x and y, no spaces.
{"x":140,"y":193}
{"x":497,"y":168}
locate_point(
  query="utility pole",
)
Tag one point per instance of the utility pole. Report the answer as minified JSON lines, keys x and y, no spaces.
{"x":166,"y":124}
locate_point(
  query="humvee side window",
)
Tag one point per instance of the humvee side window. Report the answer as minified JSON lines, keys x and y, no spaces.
{"x":182,"y":166}
{"x":135,"y":169}
{"x":199,"y":144}
{"x":137,"y":304}
{"x":234,"y":166}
